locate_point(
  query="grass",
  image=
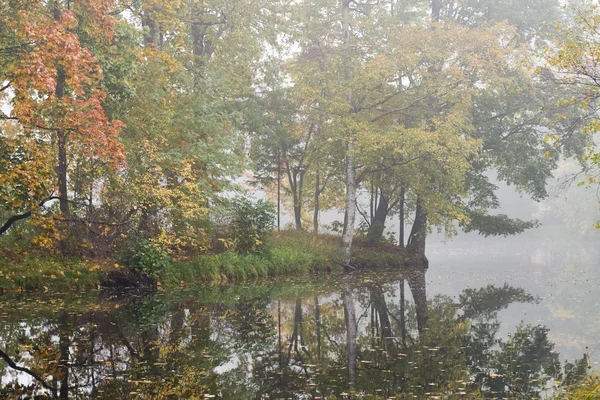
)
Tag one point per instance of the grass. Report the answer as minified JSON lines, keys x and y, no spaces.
{"x":45,"y":272}
{"x":284,"y":256}
{"x":586,"y":389}
{"x":289,"y":253}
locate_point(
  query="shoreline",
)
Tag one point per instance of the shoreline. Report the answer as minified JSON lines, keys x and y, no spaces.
{"x":288,"y":253}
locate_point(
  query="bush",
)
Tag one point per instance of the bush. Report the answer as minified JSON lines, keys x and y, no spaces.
{"x":147,"y":258}
{"x":251,"y":224}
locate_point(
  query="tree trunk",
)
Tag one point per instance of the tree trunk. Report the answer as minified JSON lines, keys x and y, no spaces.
{"x":350,"y":204}
{"x":61,"y":144}
{"x":61,"y":138}
{"x":63,"y":362}
{"x":436,"y":7}
{"x":378,"y":223}
{"x":318,"y":326}
{"x":150,"y":346}
{"x":278,"y":192}
{"x":297,"y":335}
{"x":61,"y":172}
{"x":177,"y":325}
{"x":152,"y":31}
{"x":418,"y":234}
{"x":317,"y":195}
{"x":402,"y":314}
{"x":351,"y":332}
{"x":417,"y":285}
{"x":279,"y":345}
{"x":350,"y":177}
{"x":296,"y":182}
{"x":401,"y":218}
{"x":387,"y":335}
{"x":298,"y":216}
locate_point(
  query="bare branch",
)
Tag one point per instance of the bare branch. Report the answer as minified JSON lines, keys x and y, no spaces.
{"x":29,"y":372}
{"x":16,"y":48}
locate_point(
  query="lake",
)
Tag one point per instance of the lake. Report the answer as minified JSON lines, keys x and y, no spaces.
{"x":497,"y":318}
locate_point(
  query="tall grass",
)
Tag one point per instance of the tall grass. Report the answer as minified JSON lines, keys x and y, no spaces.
{"x":288,"y":253}
{"x":586,"y":389}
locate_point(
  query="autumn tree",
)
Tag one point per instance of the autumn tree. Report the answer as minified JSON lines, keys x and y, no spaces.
{"x":507,"y":116}
{"x":180,"y":77}
{"x":402,"y":105}
{"x":54,"y":100}
{"x":572,"y":63}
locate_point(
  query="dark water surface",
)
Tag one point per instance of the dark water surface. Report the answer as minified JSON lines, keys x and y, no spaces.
{"x":508,"y":318}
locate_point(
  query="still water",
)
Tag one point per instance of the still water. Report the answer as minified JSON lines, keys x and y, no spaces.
{"x":507,"y":318}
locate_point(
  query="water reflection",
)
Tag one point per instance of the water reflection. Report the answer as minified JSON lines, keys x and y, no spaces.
{"x":364,"y":334}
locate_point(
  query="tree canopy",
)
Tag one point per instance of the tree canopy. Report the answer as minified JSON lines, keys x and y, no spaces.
{"x":126,"y":120}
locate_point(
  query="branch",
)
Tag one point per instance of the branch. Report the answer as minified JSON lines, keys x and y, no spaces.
{"x":363,"y":214}
{"x":306,"y":143}
{"x":6,"y":117}
{"x":2,"y":89}
{"x":29,"y":372}
{"x":46,"y":128}
{"x":380,"y":102}
{"x":125,"y":8}
{"x":12,"y":220}
{"x":324,"y":186}
{"x":397,"y":110}
{"x":364,"y":172}
{"x":85,"y":221}
{"x":13,"y":48}
{"x":16,"y":218}
{"x":127,"y":344}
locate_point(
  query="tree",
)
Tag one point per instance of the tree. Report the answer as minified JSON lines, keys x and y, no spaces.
{"x":571,"y":63}
{"x":508,"y":117}
{"x":52,"y":88}
{"x":192,"y":77}
{"x":282,"y":144}
{"x":367,"y":88}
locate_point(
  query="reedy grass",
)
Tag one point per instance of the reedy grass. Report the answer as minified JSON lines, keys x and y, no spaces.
{"x":586,"y":389}
{"x":285,"y":255}
{"x":288,"y":253}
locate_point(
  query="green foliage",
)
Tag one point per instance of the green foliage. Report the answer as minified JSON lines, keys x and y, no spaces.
{"x":336,"y":227}
{"x":526,"y":358}
{"x":147,"y":258}
{"x":487,"y":301}
{"x":420,"y":111}
{"x":534,"y":18}
{"x":572,"y":61}
{"x":251,"y":224}
{"x":496,"y":225}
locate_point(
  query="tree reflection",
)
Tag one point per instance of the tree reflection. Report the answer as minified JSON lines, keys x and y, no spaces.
{"x":365,"y":338}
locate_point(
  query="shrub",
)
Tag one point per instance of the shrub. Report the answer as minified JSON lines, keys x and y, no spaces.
{"x":251,"y":224}
{"x":147,"y":258}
